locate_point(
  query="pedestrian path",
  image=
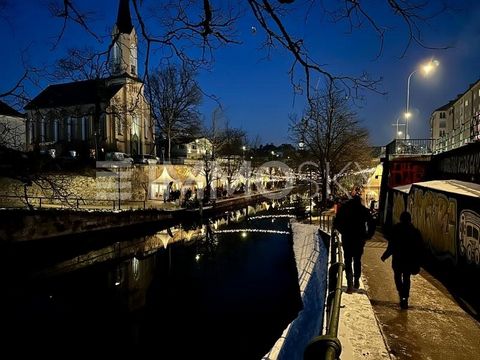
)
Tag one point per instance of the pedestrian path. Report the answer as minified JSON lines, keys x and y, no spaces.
{"x":359,"y":331}
{"x":434,"y":327}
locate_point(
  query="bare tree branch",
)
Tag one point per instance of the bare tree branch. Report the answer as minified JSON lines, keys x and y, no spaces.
{"x":69,"y":12}
{"x":174,"y":96}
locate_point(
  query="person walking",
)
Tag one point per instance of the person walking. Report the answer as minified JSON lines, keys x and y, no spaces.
{"x":406,"y":248}
{"x":354,"y":222}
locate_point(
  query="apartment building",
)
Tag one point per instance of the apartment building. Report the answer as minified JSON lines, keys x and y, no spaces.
{"x":457,"y":123}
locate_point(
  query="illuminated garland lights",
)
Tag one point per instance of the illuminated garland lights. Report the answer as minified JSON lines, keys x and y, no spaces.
{"x":271,"y":216}
{"x":252,"y":230}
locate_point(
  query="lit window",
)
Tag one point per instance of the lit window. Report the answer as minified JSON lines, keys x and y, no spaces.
{"x":119,"y":125}
{"x":133,"y":59}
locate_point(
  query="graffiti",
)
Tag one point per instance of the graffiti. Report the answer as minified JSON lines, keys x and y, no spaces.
{"x":468,"y":235}
{"x":435,"y":216}
{"x":398,"y":207}
{"x":467,"y":164}
{"x":406,"y":172}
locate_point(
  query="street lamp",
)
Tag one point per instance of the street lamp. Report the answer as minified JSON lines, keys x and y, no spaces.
{"x":426,"y":69}
{"x":398,"y":132}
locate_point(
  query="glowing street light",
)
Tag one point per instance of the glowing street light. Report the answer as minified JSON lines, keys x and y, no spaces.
{"x":426,"y":69}
{"x":399,"y":132}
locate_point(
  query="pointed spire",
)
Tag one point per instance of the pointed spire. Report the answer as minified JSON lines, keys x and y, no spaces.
{"x":124,"y":20}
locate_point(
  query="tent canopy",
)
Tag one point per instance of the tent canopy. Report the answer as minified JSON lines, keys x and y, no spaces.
{"x":194,"y":180}
{"x":164,"y":178}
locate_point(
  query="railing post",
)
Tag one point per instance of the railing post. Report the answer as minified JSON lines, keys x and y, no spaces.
{"x":40,"y":204}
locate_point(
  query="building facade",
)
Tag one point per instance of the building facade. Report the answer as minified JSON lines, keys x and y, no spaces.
{"x":12,"y":128}
{"x":97,"y":116}
{"x":458,"y":122}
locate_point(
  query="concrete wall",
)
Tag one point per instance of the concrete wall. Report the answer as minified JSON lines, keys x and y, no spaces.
{"x":311,"y":257}
{"x":100,"y":185}
{"x":24,"y":225}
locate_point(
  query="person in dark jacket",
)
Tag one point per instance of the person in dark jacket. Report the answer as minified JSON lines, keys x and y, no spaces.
{"x":405,"y":247}
{"x":354,"y":222}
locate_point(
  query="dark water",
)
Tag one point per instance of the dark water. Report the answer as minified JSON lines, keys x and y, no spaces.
{"x":226,"y":296}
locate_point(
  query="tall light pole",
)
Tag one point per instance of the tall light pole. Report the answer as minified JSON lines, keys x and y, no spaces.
{"x":398,"y":132}
{"x":426,"y":69}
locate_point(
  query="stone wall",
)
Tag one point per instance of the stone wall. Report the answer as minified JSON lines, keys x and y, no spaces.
{"x":18,"y":225}
{"x":101,"y":188}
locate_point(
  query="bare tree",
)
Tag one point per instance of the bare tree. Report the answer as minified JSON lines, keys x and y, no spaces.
{"x":191,"y":30}
{"x":37,"y":178}
{"x":81,"y":64}
{"x":331,"y":134}
{"x":230,"y":153}
{"x":174,"y":96}
{"x":221,"y":154}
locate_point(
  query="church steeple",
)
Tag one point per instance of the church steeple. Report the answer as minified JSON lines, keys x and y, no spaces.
{"x":124,"y":49}
{"x":124,"y":20}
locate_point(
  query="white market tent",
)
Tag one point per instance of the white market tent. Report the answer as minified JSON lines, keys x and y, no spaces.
{"x":160,"y":185}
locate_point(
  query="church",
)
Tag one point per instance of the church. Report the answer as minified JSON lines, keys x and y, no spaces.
{"x":92,"y":117}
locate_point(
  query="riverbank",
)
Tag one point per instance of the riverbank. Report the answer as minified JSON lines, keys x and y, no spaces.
{"x":311,"y":260}
{"x":19,"y":225}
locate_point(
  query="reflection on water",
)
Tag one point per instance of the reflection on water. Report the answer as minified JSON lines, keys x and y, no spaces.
{"x":192,"y":291}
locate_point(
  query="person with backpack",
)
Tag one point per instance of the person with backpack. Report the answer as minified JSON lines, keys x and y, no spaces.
{"x":355,"y":223}
{"x":406,"y":248}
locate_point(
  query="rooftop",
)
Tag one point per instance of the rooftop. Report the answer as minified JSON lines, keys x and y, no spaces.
{"x":74,"y":93}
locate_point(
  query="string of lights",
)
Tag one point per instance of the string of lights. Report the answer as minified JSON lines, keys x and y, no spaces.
{"x":252,"y":230}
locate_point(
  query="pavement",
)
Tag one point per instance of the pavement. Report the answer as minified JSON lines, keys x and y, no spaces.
{"x":373,"y":326}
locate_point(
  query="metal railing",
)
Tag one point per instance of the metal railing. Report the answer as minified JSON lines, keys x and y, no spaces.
{"x":458,"y":137}
{"x":327,"y":346}
{"x":39,"y":202}
{"x":410,"y":147}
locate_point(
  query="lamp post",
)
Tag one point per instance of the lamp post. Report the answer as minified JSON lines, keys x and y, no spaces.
{"x":399,"y":132}
{"x":426,"y":69}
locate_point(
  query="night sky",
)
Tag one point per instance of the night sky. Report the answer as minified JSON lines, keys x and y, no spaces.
{"x":255,"y":91}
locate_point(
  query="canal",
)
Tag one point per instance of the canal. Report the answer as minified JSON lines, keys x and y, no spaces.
{"x":222,"y":289}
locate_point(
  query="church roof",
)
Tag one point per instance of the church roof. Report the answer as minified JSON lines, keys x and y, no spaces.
{"x":124,"y":20}
{"x":74,"y":93}
{"x":8,"y":110}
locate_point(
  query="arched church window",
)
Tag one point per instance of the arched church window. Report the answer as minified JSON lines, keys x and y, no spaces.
{"x":116,"y":57}
{"x":133,"y":59}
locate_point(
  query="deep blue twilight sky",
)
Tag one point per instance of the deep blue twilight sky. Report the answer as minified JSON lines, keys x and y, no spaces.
{"x":255,"y":92}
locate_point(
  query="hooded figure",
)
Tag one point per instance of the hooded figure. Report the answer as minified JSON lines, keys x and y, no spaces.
{"x":356,"y":225}
{"x":406,"y":248}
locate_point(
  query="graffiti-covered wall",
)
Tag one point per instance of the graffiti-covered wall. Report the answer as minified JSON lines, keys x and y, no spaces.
{"x":449,"y":222}
{"x":398,"y":205}
{"x":462,"y":163}
{"x":435,"y":215}
{"x":404,"y":172}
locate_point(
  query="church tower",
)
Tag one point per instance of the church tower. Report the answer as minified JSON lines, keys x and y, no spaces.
{"x":124,"y":50}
